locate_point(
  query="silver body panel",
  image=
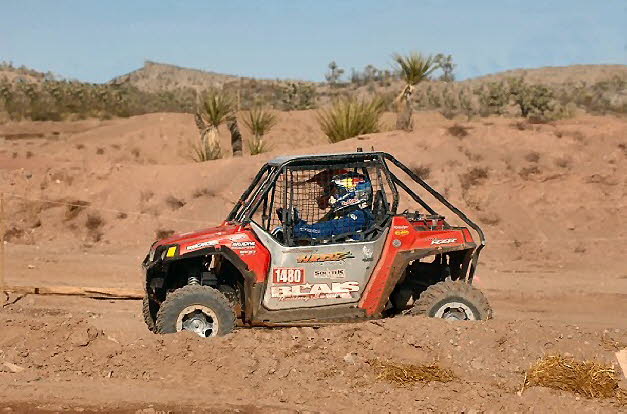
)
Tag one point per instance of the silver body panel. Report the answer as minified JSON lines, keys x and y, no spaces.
{"x":310,"y":276}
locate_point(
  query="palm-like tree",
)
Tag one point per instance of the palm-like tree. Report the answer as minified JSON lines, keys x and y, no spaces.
{"x":413,"y":68}
{"x":259,"y":121}
{"x":215,"y":110}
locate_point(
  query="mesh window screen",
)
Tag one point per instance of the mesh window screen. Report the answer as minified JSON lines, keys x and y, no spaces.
{"x":331,"y":202}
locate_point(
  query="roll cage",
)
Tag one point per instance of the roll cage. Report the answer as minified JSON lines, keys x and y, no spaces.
{"x":264,"y":182}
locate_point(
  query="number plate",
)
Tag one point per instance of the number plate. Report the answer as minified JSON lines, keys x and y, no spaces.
{"x":288,"y":276}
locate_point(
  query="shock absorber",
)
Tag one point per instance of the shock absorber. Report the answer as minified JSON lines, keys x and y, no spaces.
{"x":193,"y":280}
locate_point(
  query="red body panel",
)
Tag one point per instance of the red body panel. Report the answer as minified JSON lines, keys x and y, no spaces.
{"x":240,"y":239}
{"x":414,"y":235}
{"x":411,"y":236}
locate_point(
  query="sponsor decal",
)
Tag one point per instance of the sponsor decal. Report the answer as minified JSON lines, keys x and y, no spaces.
{"x":244,"y":245}
{"x":401,"y":232}
{"x":324,"y":257}
{"x":401,"y":227}
{"x":368,"y":252}
{"x":315,"y":291}
{"x":288,"y":275}
{"x":330,"y":274}
{"x":247,"y":252}
{"x":238,"y":236}
{"x":201,"y":245}
{"x":443,"y":241}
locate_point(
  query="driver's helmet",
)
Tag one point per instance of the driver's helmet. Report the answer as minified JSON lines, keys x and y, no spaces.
{"x":349,"y":190}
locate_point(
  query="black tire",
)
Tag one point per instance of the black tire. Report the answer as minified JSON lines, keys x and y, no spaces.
{"x":188,"y":297}
{"x":466,"y":302}
{"x":149,"y":311}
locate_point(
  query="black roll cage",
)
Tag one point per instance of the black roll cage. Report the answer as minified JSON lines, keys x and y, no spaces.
{"x":242,"y":211}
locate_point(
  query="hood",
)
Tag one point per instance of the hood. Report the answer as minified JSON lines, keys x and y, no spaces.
{"x":199,"y":235}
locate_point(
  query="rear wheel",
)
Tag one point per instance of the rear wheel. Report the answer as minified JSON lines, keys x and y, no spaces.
{"x":453,"y":300}
{"x":199,"y":309}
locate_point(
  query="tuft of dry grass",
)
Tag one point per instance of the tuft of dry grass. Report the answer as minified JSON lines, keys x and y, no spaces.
{"x":94,"y":225}
{"x":591,"y":379}
{"x":474,"y":176}
{"x":202,"y":192}
{"x":74,"y":208}
{"x":457,"y":130}
{"x":422,"y":171}
{"x":163,"y":233}
{"x":174,"y":203}
{"x":409,"y":374}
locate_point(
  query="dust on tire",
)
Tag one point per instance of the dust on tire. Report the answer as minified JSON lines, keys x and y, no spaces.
{"x":189,"y":295}
{"x":438,"y":295}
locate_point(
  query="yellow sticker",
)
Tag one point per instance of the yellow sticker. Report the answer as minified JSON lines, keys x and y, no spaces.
{"x":171,"y":251}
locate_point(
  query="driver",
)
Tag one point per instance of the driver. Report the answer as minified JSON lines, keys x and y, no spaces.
{"x":348,"y":195}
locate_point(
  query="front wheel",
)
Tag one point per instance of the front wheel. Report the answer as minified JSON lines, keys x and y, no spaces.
{"x":199,"y":309}
{"x":453,"y":300}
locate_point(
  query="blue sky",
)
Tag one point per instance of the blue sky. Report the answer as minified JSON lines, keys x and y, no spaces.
{"x":97,"y":40}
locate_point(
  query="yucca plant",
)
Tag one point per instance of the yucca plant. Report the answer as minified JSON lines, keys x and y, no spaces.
{"x":259,"y":121}
{"x":216,"y":109}
{"x":413,"y":69}
{"x":351,"y":117}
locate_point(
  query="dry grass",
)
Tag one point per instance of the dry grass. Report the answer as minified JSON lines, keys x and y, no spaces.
{"x":591,"y":379}
{"x":422,"y":171}
{"x":457,"y":130}
{"x":74,"y":208}
{"x":202,"y":192}
{"x":409,"y":374}
{"x":474,"y":176}
{"x":163,"y":233}
{"x":174,"y":203}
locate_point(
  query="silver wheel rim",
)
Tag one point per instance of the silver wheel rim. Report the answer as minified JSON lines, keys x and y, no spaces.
{"x":455,"y":311}
{"x":198,"y":319}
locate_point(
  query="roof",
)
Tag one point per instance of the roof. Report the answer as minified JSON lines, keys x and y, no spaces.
{"x":288,"y":158}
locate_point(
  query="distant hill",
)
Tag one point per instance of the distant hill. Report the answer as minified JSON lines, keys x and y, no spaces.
{"x":557,"y":75}
{"x":155,"y":76}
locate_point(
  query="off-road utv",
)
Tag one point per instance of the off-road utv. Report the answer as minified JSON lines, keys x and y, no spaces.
{"x":317,"y":239}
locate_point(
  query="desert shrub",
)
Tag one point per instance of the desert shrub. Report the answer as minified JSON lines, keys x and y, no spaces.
{"x":527,"y":172}
{"x":562,"y":162}
{"x":422,"y":171}
{"x":259,"y":121}
{"x":174,"y":203}
{"x":206,"y":151}
{"x":413,"y":69}
{"x":450,"y":107}
{"x":349,"y":118}
{"x":472,"y":177}
{"x":298,"y":96}
{"x":216,"y":109}
{"x":94,"y":224}
{"x":493,"y":98}
{"x":202,"y":192}
{"x":532,"y":156}
{"x":163,"y":233}
{"x":457,"y":130}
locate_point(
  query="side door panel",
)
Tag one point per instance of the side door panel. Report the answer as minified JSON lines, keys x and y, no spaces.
{"x":311,"y":276}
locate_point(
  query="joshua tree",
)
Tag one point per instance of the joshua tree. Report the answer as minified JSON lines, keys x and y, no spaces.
{"x":334,"y":73}
{"x":413,"y":68}
{"x":216,"y":109}
{"x":259,"y":121}
{"x":445,"y":62}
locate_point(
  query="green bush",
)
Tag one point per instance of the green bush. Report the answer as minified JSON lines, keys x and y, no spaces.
{"x":351,"y":117}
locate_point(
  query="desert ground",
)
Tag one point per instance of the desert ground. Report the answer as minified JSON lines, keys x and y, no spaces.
{"x":84,"y":200}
